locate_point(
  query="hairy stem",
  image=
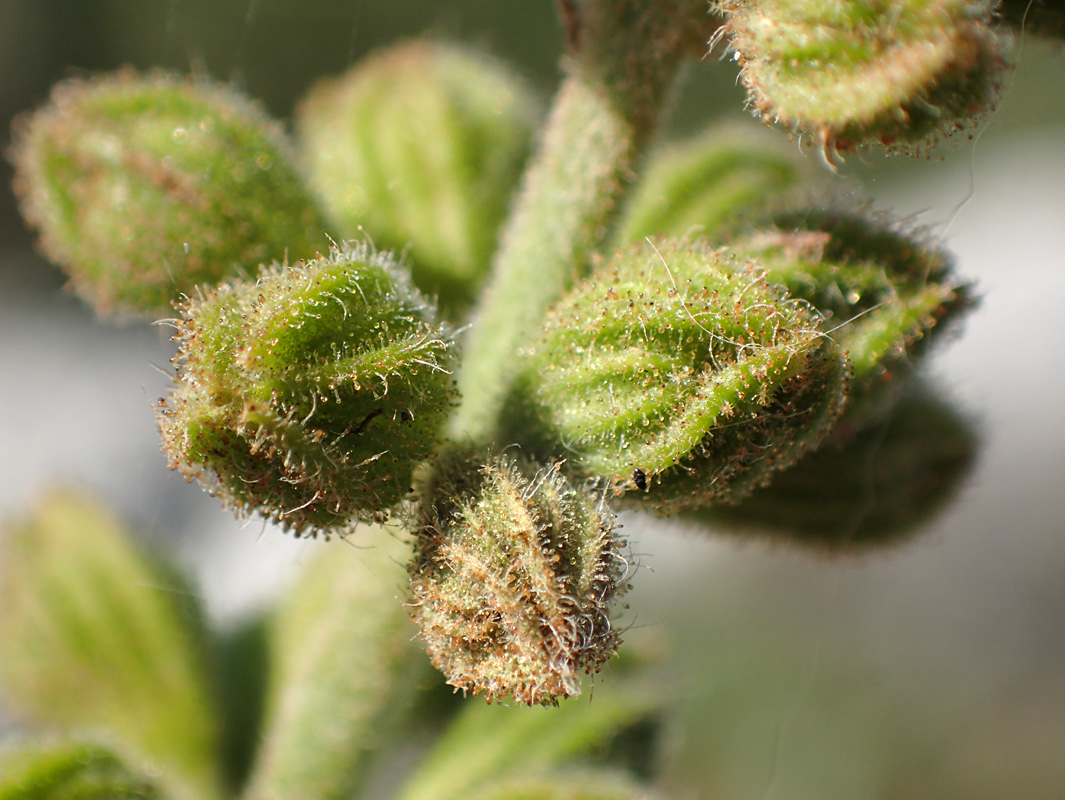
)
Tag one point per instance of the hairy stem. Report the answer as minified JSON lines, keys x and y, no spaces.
{"x":625,"y":56}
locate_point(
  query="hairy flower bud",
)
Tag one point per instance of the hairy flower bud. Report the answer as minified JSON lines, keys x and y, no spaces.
{"x":711,"y":185}
{"x":678,"y":371}
{"x":421,"y":145}
{"x":513,"y":574}
{"x":144,"y":187}
{"x":886,"y":294}
{"x":310,"y":395}
{"x":856,"y":73}
{"x":863,"y":490}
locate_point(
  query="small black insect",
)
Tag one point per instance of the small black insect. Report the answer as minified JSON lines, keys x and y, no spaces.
{"x":639,"y":479}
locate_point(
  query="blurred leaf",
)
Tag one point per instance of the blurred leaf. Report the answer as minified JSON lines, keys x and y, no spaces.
{"x":242,"y":659}
{"x":422,"y":143}
{"x":95,"y":636}
{"x":577,"y":786}
{"x":145,"y":187}
{"x":70,"y":771}
{"x":710,"y":185}
{"x":346,"y":668}
{"x":487,"y":743}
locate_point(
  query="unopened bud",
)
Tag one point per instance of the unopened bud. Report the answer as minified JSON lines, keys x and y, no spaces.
{"x":512,"y":579}
{"x":143,"y":188}
{"x":679,"y":371}
{"x":310,"y":395}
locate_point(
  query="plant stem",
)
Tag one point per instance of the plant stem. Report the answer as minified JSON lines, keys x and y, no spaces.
{"x":625,"y":55}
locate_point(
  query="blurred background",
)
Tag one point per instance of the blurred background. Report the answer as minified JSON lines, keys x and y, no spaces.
{"x":933,"y":669}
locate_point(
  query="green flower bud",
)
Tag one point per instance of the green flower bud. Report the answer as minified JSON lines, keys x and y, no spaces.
{"x":422,"y":145}
{"x":145,"y":187}
{"x":513,"y":574}
{"x":886,"y":294}
{"x":709,"y":185}
{"x":680,"y":371}
{"x":310,"y":395}
{"x":850,"y":74}
{"x":865,"y":490}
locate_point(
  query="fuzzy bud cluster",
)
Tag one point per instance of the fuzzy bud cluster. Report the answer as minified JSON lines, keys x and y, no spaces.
{"x":679,"y":370}
{"x":144,"y":187}
{"x":310,"y":395}
{"x":512,"y":579}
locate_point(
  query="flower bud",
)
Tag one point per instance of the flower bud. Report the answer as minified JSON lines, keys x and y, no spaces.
{"x":886,"y":294}
{"x":310,"y":395}
{"x":679,"y":371}
{"x":421,"y":145}
{"x":513,"y":574}
{"x":144,"y":187}
{"x":711,"y":185}
{"x":863,"y":490}
{"x":850,"y":75}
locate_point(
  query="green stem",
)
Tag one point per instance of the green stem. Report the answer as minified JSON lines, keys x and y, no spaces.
{"x":626,"y":54}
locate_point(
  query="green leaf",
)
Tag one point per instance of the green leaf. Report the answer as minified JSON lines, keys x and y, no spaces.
{"x":487,"y":743}
{"x":70,"y":771}
{"x":95,"y":636}
{"x":144,"y":187}
{"x":346,"y":669}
